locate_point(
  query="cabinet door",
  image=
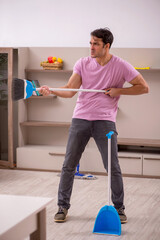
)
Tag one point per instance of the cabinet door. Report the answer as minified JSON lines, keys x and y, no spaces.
{"x":6,"y":109}
{"x":40,"y":157}
{"x":151,"y":164}
{"x":130,"y":163}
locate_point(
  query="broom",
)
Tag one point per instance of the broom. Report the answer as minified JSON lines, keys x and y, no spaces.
{"x":79,"y":175}
{"x":23,"y":89}
{"x":84,"y":176}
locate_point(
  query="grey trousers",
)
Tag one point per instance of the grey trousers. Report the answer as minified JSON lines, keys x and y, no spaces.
{"x":79,"y":134}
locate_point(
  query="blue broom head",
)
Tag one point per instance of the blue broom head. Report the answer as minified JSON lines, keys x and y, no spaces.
{"x":28,"y":89}
{"x":21,"y":89}
{"x":107,"y":221}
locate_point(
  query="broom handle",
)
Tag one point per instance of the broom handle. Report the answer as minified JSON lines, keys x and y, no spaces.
{"x":73,"y":90}
{"x":109,"y":165}
{"x":109,"y":171}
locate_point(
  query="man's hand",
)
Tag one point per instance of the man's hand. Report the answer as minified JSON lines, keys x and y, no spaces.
{"x":138,"y":86}
{"x":45,"y":91}
{"x":112,"y":92}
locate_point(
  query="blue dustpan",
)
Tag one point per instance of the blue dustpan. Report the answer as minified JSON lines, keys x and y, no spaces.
{"x":107,"y":220}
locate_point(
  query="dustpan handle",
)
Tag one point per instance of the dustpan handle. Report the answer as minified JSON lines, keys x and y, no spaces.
{"x":109,"y":165}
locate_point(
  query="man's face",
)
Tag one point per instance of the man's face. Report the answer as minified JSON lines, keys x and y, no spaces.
{"x":97,"y":47}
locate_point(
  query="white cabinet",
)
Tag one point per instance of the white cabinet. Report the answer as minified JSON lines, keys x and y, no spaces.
{"x":151,"y":164}
{"x":143,"y":164}
{"x":40,"y":157}
{"x":131,"y":163}
{"x":51,"y":158}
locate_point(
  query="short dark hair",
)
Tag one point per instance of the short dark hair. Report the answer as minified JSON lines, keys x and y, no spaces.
{"x":105,"y":34}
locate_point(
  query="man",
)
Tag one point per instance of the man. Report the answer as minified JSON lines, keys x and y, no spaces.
{"x":95,"y":114}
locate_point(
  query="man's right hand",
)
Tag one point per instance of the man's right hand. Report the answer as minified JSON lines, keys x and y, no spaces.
{"x":45,"y":91}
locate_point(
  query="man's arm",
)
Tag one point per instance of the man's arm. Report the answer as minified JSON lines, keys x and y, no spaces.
{"x":139,"y":86}
{"x":75,"y":81}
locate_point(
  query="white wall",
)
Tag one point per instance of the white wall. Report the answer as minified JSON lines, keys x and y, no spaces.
{"x":68,"y":23}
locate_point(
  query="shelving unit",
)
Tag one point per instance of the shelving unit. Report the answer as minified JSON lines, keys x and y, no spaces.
{"x":44,"y":124}
{"x":139,"y":142}
{"x":44,"y":121}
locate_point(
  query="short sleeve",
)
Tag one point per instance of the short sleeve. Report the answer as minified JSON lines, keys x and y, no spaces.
{"x":77,"y":67}
{"x":129,"y":72}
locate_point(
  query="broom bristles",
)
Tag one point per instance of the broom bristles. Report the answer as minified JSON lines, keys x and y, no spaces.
{"x":18,"y":89}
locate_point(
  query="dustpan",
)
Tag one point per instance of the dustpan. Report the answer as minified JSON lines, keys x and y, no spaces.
{"x":107,"y":220}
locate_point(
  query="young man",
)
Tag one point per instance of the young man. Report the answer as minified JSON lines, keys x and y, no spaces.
{"x":95,"y":114}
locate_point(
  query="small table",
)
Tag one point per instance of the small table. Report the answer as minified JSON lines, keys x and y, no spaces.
{"x":23,"y":216}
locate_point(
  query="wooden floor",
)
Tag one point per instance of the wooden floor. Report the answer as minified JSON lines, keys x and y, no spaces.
{"x":142,"y":201}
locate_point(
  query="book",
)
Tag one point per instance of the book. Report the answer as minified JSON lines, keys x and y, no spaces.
{"x":34,"y":93}
{"x":36,"y":84}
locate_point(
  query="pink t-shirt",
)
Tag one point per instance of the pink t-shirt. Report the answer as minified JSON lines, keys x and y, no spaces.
{"x":98,"y":106}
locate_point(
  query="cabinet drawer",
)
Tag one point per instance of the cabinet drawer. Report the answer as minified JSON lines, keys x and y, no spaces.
{"x":40,"y":157}
{"x":130,"y":163}
{"x":151,"y":164}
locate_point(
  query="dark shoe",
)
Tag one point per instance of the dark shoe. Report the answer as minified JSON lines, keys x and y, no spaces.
{"x":60,"y":216}
{"x":122,"y":215}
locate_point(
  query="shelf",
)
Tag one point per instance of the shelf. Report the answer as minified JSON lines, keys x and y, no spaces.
{"x":139,"y":142}
{"x":121,"y":141}
{"x":55,"y":149}
{"x":47,"y":71}
{"x":44,"y":124}
{"x":28,"y":70}
{"x":42,"y":97}
{"x":147,"y":70}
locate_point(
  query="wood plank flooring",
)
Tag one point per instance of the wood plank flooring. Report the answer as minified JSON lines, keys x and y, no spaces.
{"x":142,"y":201}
